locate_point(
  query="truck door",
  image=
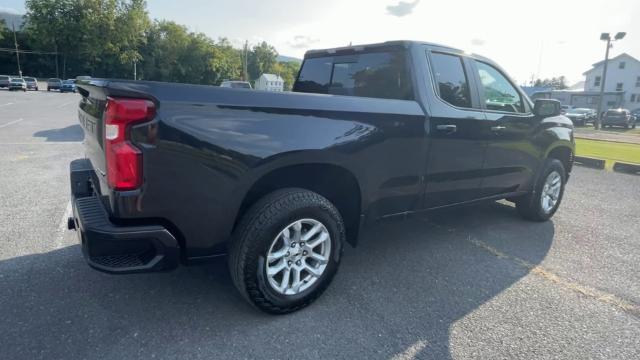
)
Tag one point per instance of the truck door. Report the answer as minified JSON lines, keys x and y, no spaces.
{"x":511,"y":157}
{"x":455,"y":124}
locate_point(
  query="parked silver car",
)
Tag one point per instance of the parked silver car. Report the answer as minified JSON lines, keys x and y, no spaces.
{"x":17,"y":83}
{"x":4,"y":81}
{"x":32,"y":83}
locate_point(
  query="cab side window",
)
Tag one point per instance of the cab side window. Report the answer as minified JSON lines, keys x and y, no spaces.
{"x":451,"y":79}
{"x":499,"y":93}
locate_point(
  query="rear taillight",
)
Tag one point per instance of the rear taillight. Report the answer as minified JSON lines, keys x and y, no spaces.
{"x":124,"y":160}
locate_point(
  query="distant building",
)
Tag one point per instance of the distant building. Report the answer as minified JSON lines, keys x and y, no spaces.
{"x":623,"y":76}
{"x":622,"y":87}
{"x":269,"y":82}
{"x":530,"y":90}
{"x":582,"y":99}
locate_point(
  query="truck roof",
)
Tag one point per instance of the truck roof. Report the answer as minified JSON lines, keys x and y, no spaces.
{"x":377,"y":46}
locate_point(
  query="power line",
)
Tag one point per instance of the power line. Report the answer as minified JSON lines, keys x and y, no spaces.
{"x":11,"y":50}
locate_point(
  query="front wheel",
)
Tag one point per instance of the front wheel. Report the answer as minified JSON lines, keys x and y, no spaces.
{"x":286,"y":250}
{"x":543,"y":202}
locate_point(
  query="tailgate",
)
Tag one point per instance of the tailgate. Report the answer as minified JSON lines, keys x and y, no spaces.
{"x":90,"y":115}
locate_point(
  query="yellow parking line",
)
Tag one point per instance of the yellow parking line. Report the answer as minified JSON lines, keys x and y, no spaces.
{"x":547,"y":275}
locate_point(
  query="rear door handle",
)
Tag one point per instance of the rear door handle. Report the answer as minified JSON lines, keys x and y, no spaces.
{"x":447,"y":128}
{"x":497,"y":128}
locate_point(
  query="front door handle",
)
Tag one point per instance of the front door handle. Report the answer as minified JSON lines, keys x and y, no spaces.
{"x":449,"y":129}
{"x":497,"y":128}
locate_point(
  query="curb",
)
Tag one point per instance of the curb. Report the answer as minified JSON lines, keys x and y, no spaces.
{"x":626,"y":168}
{"x":589,"y":162}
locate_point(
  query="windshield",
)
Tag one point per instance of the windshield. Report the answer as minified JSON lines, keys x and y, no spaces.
{"x":4,"y":78}
{"x":68,"y":82}
{"x":30,"y":79}
{"x":55,"y":80}
{"x":16,"y":80}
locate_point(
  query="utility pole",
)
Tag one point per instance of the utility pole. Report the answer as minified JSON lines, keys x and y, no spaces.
{"x":64,"y":66}
{"x":245,"y":75}
{"x":135,"y":69}
{"x":57,"y":71}
{"x":15,"y":42}
{"x":605,"y":37}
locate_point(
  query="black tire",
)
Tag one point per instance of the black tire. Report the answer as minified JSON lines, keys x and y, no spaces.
{"x":530,"y":206}
{"x":255,"y":233}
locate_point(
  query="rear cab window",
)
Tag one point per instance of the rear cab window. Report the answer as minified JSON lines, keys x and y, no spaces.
{"x":383,"y":75}
{"x":451,"y":80}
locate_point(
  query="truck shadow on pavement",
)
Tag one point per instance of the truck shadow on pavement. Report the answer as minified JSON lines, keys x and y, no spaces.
{"x":69,"y":133}
{"x":399,"y":292}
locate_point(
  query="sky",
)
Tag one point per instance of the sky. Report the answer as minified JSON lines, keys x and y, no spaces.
{"x":540,"y":39}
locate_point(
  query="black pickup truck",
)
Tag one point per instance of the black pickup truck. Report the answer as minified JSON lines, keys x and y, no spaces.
{"x":180,"y":174}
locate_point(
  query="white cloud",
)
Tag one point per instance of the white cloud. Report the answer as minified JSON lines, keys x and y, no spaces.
{"x":519,"y":47}
{"x":9,"y":10}
{"x":302,"y":42}
{"x":477,"y":42}
{"x":403,"y":8}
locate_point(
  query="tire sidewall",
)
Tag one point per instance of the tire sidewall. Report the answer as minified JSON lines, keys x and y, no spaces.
{"x":256,"y":269}
{"x":550,"y":166}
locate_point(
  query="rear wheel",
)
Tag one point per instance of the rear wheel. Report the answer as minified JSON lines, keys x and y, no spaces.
{"x":286,"y":250}
{"x":543,"y":202}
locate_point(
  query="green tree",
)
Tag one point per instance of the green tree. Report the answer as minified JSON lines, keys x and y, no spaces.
{"x":103,"y":38}
{"x":100,"y":37}
{"x":556,"y":83}
{"x":3,"y":29}
{"x":261,"y":59}
{"x":288,"y":71}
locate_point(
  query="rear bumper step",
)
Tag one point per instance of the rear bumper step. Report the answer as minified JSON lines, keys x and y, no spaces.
{"x":113,"y":248}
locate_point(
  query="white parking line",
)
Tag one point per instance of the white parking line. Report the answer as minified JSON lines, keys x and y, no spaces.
{"x":7,"y":104}
{"x":62,"y":227}
{"x":65,"y":104}
{"x":11,"y":122}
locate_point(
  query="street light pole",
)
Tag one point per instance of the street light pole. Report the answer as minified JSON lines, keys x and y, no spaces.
{"x":15,"y":42}
{"x":605,"y":37}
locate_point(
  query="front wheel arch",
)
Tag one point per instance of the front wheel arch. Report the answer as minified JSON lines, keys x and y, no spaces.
{"x":563,"y":153}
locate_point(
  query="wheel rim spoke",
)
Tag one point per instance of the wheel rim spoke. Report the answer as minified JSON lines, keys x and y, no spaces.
{"x":320,"y":239}
{"x":273,"y":270}
{"x":295,"y":284}
{"x":551,"y":191}
{"x":278,"y":254}
{"x":284,"y":284}
{"x":319,"y":258}
{"x":312,"y":271}
{"x":298,"y":256}
{"x":314,"y":230}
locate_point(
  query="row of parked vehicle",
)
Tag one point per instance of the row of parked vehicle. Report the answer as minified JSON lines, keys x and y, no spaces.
{"x":25,"y":83}
{"x":18,"y":83}
{"x":611,"y":117}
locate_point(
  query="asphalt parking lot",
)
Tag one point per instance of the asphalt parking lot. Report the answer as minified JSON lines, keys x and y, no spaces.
{"x":466,"y":283}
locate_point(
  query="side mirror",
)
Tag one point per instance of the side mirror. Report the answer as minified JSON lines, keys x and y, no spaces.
{"x":547,"y":107}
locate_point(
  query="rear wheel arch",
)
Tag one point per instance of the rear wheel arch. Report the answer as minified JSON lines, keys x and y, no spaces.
{"x":337,"y":184}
